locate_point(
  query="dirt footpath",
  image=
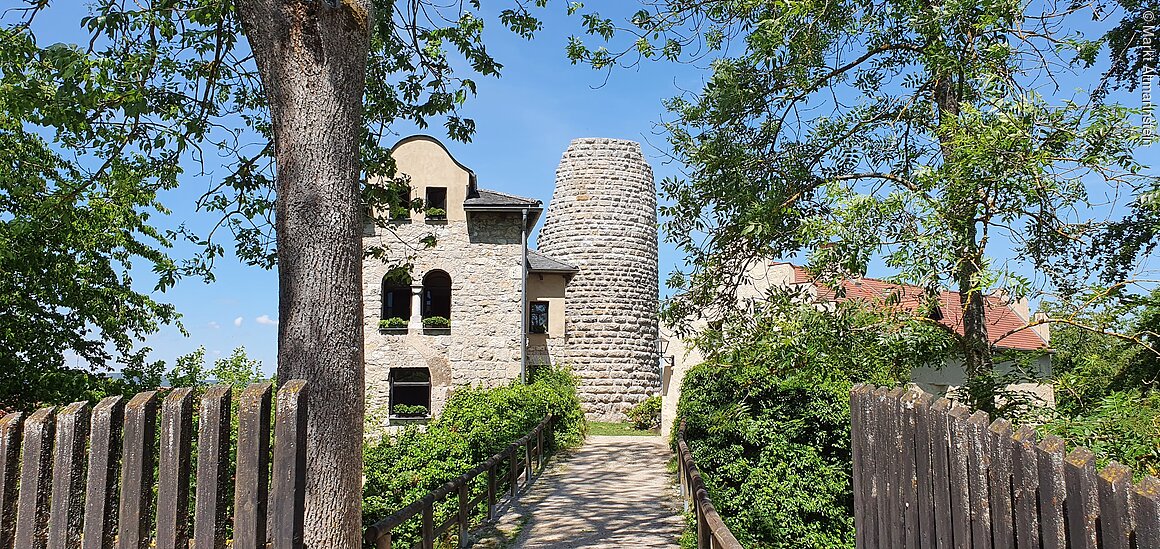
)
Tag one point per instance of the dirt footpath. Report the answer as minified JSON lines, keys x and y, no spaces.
{"x":610,"y":492}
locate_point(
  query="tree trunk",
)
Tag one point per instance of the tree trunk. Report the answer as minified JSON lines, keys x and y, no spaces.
{"x":311,"y":57}
{"x":975,"y":345}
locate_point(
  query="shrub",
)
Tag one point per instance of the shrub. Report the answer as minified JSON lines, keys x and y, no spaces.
{"x":393,"y":322}
{"x":646,"y":414}
{"x":475,"y":424}
{"x":436,"y":322}
{"x":410,"y":410}
{"x":768,"y":416}
{"x":435,"y":213}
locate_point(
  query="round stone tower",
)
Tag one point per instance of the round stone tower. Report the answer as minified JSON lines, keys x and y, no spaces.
{"x":603,"y":220}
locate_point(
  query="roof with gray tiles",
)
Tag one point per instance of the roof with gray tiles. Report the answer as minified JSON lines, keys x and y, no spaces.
{"x":487,"y":197}
{"x":538,"y":262}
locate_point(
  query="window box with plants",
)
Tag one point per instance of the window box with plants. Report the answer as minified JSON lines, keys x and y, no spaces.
{"x":393,"y":326}
{"x":436,"y":325}
{"x":435,"y":214}
{"x":409,"y":411}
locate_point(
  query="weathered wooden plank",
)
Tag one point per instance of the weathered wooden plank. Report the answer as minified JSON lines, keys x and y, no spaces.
{"x":68,"y":476}
{"x":1025,"y":481}
{"x":491,"y":492}
{"x":979,"y":467}
{"x":428,"y":525}
{"x":101,"y":483}
{"x":513,"y":474}
{"x":463,"y":517}
{"x":1145,"y":496}
{"x":35,"y":480}
{"x":858,"y":455}
{"x":289,"y":476}
{"x":252,"y":485}
{"x":940,"y":473}
{"x":999,"y":484}
{"x":1083,"y":508}
{"x":893,"y":438}
{"x":213,"y":468}
{"x":528,"y":463}
{"x":881,"y":427}
{"x":1114,"y":483}
{"x":1052,"y":492}
{"x":908,"y":476}
{"x":923,"y":474}
{"x":173,"y":470}
{"x":960,"y":490}
{"x":140,"y":455}
{"x":11,"y":427}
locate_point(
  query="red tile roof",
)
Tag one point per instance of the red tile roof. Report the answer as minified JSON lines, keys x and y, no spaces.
{"x":1005,"y":327}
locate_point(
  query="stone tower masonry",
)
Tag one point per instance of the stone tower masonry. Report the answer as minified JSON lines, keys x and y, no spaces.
{"x":603,"y":219}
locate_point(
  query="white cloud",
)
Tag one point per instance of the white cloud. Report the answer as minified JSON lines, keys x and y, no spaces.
{"x":238,"y":321}
{"x":214,"y":325}
{"x":265,"y":319}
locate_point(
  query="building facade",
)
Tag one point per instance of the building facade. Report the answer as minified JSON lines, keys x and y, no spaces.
{"x":1010,"y":327}
{"x":479,"y":307}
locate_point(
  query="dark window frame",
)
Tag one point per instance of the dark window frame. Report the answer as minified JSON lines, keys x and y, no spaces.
{"x":534,"y":315}
{"x":396,"y":287}
{"x":436,"y":294}
{"x":410,"y":389}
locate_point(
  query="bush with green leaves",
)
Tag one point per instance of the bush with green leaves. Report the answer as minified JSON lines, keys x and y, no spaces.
{"x":1106,"y":369}
{"x":392,"y":323}
{"x":475,"y":424}
{"x":768,"y":415}
{"x":646,"y":414}
{"x":436,"y":322}
{"x":409,"y":410}
{"x":435,"y":213}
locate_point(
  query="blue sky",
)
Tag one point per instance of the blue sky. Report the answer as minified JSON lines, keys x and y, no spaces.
{"x":525,"y":120}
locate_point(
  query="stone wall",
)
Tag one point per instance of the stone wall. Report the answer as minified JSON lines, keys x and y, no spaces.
{"x":602,"y":219}
{"x":483,"y":258}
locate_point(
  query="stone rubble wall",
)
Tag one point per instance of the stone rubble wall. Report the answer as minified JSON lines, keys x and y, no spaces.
{"x":484,"y":345}
{"x":602,"y":219}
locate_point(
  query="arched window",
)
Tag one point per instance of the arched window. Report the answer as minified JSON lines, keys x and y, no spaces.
{"x":410,"y":392}
{"x":397,"y":295}
{"x":437,"y":294}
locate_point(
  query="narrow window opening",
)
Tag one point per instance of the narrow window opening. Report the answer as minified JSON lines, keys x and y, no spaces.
{"x":436,"y":204}
{"x":538,"y":317}
{"x":396,"y":298}
{"x":410,"y":392}
{"x":402,"y":209}
{"x":437,"y":295}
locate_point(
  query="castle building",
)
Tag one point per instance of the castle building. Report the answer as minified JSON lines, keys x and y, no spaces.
{"x":480,"y":307}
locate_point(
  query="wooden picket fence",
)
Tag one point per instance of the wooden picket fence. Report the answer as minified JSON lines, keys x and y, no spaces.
{"x":81,"y":477}
{"x":928,"y":473}
{"x":522,"y":457}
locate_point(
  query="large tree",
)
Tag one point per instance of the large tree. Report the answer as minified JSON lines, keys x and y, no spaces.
{"x":943,"y":137}
{"x":296,"y":97}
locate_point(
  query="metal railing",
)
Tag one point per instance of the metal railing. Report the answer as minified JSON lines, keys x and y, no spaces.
{"x":711,"y":530}
{"x":379,"y":534}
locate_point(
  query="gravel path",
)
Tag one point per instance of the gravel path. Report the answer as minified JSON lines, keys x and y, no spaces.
{"x":610,"y":492}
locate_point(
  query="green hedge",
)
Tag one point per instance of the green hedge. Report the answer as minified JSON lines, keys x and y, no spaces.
{"x":768,"y":417}
{"x":475,"y":424}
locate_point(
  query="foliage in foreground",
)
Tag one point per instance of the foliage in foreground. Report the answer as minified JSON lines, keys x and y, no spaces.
{"x":475,"y":424}
{"x":768,"y":417}
{"x":646,"y":414}
{"x":1105,"y":388}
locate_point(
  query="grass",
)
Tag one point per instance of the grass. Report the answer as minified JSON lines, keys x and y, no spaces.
{"x":617,"y":429}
